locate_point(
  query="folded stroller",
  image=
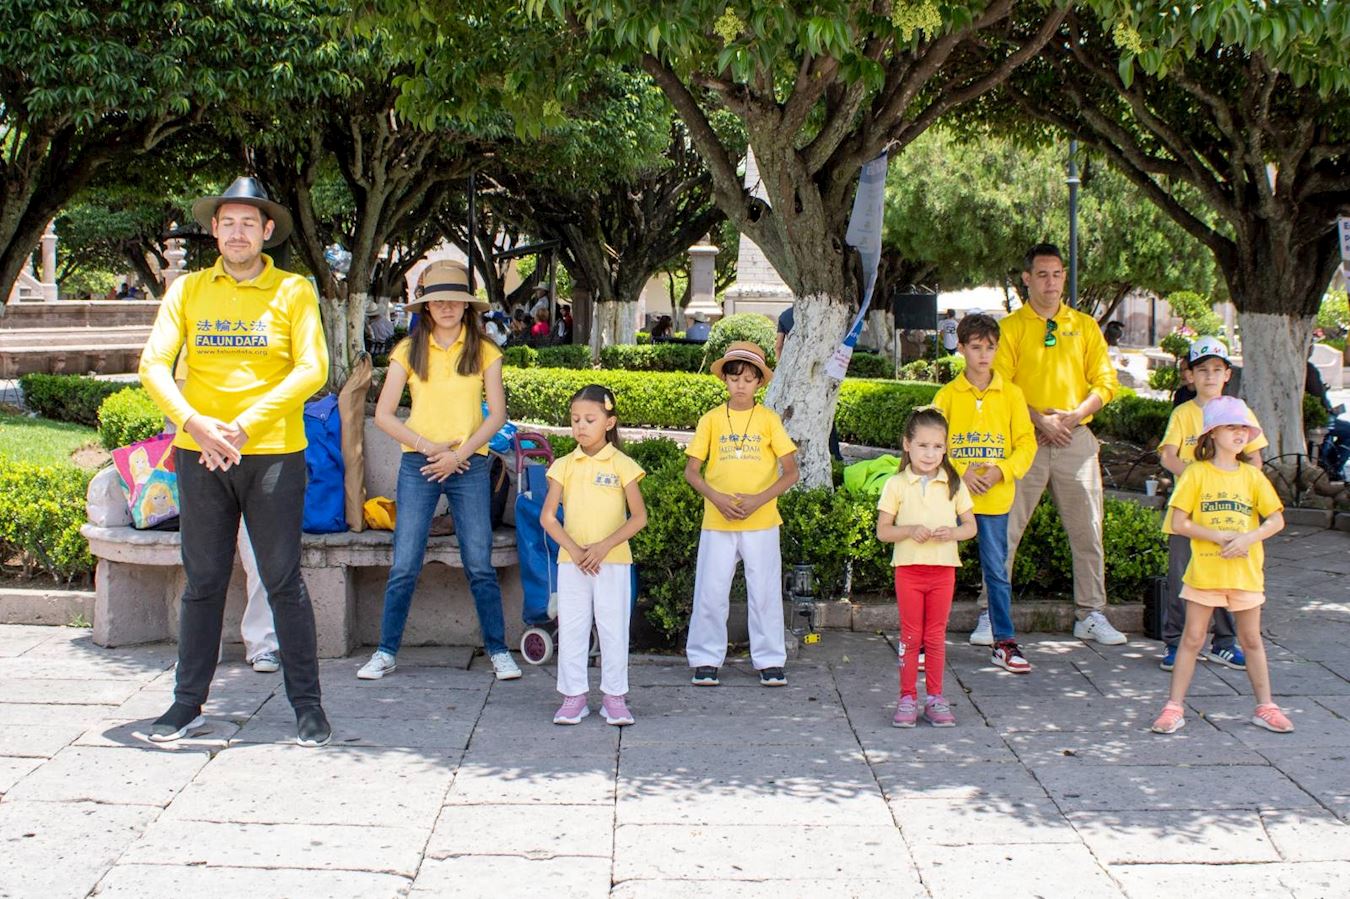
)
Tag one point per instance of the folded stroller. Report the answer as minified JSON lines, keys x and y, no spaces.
{"x":537,"y":551}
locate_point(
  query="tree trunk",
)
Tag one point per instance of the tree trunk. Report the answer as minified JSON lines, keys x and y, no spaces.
{"x":1274,"y":354}
{"x":880,"y":330}
{"x":613,"y":322}
{"x":801,"y":393}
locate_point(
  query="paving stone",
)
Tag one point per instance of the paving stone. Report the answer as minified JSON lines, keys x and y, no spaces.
{"x":736,"y":785}
{"x":484,"y":876}
{"x":1055,"y":869}
{"x":12,"y":770}
{"x":975,"y":781}
{"x":1314,"y":880}
{"x":760,"y":852}
{"x":1151,"y":881}
{"x":791,"y":715}
{"x":882,"y":743}
{"x":390,"y":733}
{"x":1308,"y":835}
{"x":36,"y":740}
{"x":67,"y":691}
{"x":1149,"y":787}
{"x":269,"y":784}
{"x":17,"y":639}
{"x":139,"y":881}
{"x":1011,"y":715}
{"x":353,"y":847}
{"x":767,"y":889}
{"x":59,"y":849}
{"x":35,"y":666}
{"x":733,"y":675}
{"x":990,"y":822}
{"x":1320,"y":771}
{"x":114,"y":732}
{"x":537,"y":831}
{"x":1197,"y":744}
{"x":1180,"y":837}
{"x":1292,"y":678}
{"x":1314,"y":724}
{"x":529,"y":778}
{"x":146,"y":776}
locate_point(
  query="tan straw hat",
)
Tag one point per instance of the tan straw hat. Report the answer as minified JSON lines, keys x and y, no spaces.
{"x":745,"y":351}
{"x":445,"y":279}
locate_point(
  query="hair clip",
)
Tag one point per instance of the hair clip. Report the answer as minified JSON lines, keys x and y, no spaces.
{"x":931,"y":407}
{"x":609,"y":403}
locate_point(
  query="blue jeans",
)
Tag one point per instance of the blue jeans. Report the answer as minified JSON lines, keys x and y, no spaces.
{"x":470,"y":504}
{"x":992,"y":533}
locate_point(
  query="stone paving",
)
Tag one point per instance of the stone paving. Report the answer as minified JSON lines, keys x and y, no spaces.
{"x":441,"y":781}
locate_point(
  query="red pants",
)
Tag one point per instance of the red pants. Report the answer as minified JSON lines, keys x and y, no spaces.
{"x":924,"y":596}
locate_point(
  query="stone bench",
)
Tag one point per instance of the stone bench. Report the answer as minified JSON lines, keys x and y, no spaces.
{"x":139,"y":580}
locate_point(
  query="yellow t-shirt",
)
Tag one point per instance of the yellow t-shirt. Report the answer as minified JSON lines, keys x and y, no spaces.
{"x":253,"y":352}
{"x":912,"y":501}
{"x":1183,"y":432}
{"x":1059,"y":376}
{"x":742,"y":450}
{"x":593,"y":501}
{"x":1234,"y":501}
{"x":989,"y":427}
{"x":447,"y":406}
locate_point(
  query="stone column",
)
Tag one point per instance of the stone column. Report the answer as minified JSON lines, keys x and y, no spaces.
{"x":758,"y":286}
{"x":703,"y":281}
{"x":49,"y":289}
{"x":175,"y":251}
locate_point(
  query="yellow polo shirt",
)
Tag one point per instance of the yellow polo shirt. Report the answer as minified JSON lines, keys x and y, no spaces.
{"x":1234,"y":501}
{"x":1059,"y":376}
{"x":1183,"y":432}
{"x":911,"y":501}
{"x":988,"y":427}
{"x":593,"y":501}
{"x":253,"y":352}
{"x":447,"y":406}
{"x":742,"y":450}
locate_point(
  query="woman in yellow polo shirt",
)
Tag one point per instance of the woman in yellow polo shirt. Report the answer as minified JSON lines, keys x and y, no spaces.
{"x":449,"y":367}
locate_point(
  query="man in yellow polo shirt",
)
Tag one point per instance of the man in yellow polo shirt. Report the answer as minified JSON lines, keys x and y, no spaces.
{"x":254,"y":351}
{"x":1058,"y":357}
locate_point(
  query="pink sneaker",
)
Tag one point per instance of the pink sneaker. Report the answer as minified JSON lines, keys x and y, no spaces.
{"x":1172,"y":719}
{"x":572,"y":710}
{"x":938,"y":713}
{"x":1271,"y":718}
{"x":615,"y":711}
{"x":906,"y":712}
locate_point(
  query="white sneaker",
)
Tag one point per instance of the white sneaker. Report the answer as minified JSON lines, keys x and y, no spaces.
{"x":380,"y":664}
{"x":1096,"y":627}
{"x":505,"y":666}
{"x":983,"y":635}
{"x":267,"y":662}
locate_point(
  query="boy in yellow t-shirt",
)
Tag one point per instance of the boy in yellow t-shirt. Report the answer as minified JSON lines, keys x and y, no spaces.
{"x":1210,"y":371}
{"x":991,"y":443}
{"x":744,"y":445}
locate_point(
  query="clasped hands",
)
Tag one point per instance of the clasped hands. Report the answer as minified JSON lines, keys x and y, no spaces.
{"x":921,"y":534}
{"x":443,"y":460}
{"x":220,"y":441}
{"x":736,"y":506}
{"x":1055,"y":427}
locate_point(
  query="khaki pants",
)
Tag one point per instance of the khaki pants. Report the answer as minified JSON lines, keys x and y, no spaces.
{"x":1075,"y":480}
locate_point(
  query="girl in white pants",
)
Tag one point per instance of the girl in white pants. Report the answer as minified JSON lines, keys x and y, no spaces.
{"x":600,"y":485}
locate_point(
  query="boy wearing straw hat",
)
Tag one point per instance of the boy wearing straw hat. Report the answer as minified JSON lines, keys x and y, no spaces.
{"x":740,"y":460}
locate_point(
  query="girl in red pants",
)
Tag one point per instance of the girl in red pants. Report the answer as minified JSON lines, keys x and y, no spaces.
{"x":924,"y":510}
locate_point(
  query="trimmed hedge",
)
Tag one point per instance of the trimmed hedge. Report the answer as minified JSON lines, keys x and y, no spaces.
{"x":870,"y":365}
{"x":127,"y":417}
{"x":652,"y":357}
{"x":752,"y":326}
{"x":1133,"y":418}
{"x":874,"y":412}
{"x":68,"y":397}
{"x":41,"y":511}
{"x":562,"y":356}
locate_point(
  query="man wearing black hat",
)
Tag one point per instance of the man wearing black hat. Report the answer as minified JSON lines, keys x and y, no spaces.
{"x":254,"y":351}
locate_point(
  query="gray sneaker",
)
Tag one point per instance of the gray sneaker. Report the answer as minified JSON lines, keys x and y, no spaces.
{"x":505,"y":666}
{"x":1096,"y":627}
{"x":983,"y":635}
{"x":380,"y":664}
{"x":267,"y":662}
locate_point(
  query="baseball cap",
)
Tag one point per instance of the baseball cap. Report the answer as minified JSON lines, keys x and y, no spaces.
{"x":1203,"y":348}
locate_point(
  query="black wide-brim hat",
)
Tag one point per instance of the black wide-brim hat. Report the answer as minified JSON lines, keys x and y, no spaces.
{"x":251,"y":193}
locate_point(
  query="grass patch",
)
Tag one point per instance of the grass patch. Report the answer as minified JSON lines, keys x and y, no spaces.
{"x":41,"y":441}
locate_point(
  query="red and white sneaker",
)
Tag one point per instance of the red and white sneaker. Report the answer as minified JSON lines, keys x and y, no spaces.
{"x":1271,"y":718}
{"x":1008,"y":656}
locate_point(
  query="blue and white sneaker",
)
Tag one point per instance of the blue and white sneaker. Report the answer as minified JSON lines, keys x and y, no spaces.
{"x":1231,"y":657}
{"x":1169,"y":659}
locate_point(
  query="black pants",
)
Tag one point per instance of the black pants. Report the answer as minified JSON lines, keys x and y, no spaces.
{"x":1174,"y":616}
{"x":269,"y":491}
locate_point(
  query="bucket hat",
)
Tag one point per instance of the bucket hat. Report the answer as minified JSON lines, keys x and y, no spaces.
{"x":1229,"y":410}
{"x":1203,"y":348}
{"x":745,"y":351}
{"x":250,"y":192}
{"x":445,"y":279}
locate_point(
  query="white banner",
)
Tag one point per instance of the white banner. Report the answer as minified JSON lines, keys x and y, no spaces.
{"x":864,"y":234}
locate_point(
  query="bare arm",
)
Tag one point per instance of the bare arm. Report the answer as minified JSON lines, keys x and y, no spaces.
{"x":752,"y":501}
{"x":386,"y":413}
{"x":728,"y":505}
{"x":548,"y":519}
{"x":1171,"y":459}
{"x":890,"y":532}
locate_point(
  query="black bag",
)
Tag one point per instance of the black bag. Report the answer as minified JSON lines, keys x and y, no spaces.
{"x":501,"y":488}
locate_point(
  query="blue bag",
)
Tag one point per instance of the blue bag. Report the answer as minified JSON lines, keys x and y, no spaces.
{"x":504,"y":439}
{"x":325,"y":495}
{"x":537,"y":551}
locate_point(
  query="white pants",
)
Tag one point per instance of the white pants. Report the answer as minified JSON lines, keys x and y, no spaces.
{"x":256,"y":628}
{"x":606,"y":599}
{"x":718,"y":552}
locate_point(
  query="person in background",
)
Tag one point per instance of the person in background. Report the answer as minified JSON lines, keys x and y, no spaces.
{"x":495,"y":327}
{"x":539,"y":331}
{"x":562,"y":328}
{"x":1185,"y":392}
{"x":700,"y":329}
{"x":786,"y":319}
{"x":663,"y":328}
{"x":947,"y":331}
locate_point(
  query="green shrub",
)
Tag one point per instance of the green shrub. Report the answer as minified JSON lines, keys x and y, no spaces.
{"x":1132,"y":541}
{"x":652,"y":357}
{"x":642,"y":338}
{"x":751,"y":326}
{"x":874,"y":412}
{"x":568,"y":355}
{"x":655,"y":453}
{"x":41,"y":511}
{"x":1135,"y":419}
{"x":1178,"y":342}
{"x":561,"y":444}
{"x":127,"y":417}
{"x":870,"y":365}
{"x":520,"y":357}
{"x":645,"y":399}
{"x":1314,"y":413}
{"x":918,"y":370}
{"x":68,"y":397}
{"x":666,"y":550}
{"x":948,"y":367}
{"x":1167,"y":378}
{"x":1196,"y":312}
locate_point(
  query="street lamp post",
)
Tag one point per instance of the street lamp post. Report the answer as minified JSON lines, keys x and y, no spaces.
{"x":1073,"y":181}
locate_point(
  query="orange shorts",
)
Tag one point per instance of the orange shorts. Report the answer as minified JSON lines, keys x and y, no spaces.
{"x":1232,"y":600}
